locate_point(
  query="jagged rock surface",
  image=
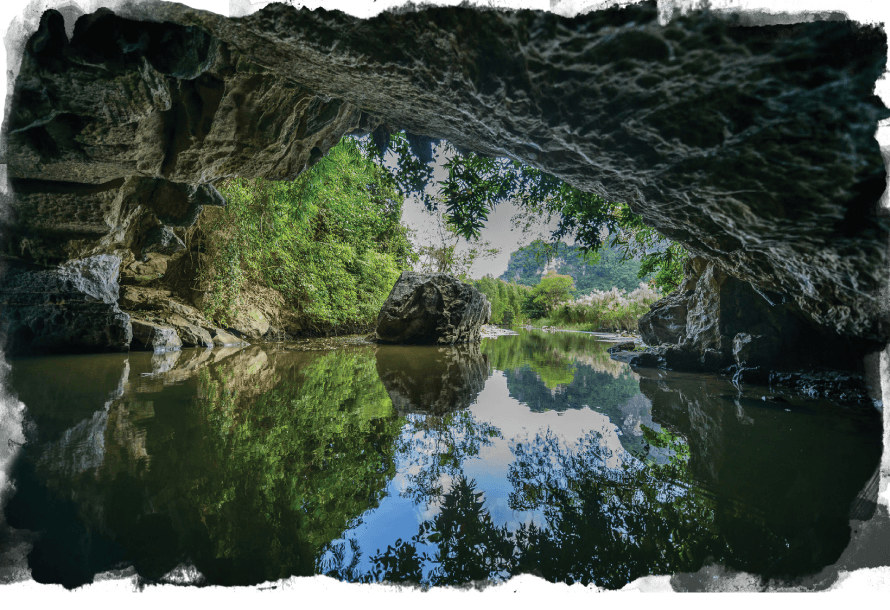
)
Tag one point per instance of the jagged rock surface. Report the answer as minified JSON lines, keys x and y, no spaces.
{"x":154,"y":337}
{"x":432,"y":309}
{"x":717,"y":322}
{"x":72,"y":308}
{"x":751,"y":145}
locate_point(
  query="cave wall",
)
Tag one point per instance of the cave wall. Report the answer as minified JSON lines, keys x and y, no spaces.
{"x":752,"y":145}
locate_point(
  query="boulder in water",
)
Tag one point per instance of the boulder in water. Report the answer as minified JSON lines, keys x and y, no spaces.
{"x":432,"y":309}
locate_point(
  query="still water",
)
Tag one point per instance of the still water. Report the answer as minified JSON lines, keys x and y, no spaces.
{"x":535,"y":453}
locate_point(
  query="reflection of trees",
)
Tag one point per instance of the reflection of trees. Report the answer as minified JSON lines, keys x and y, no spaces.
{"x":310,"y":454}
{"x":553,"y":356}
{"x":274,"y":458}
{"x":433,"y":449}
{"x":604,"y":523}
{"x":607,"y":525}
{"x":460,"y":544}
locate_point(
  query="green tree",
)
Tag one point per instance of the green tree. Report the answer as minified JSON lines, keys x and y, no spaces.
{"x":506,"y":299}
{"x":444,"y":254}
{"x":475,"y":184}
{"x":551,"y":291}
{"x":330,"y":242}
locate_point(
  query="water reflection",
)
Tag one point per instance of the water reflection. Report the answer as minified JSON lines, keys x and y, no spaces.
{"x":422,"y":379}
{"x":437,"y":466}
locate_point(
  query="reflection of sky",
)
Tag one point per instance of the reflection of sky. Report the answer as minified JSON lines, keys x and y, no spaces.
{"x":398,"y":516}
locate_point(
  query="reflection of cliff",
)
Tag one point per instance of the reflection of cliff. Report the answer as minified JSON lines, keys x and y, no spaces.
{"x":616,"y":397}
{"x":244,"y":467}
{"x":436,"y":380}
{"x":784,"y":467}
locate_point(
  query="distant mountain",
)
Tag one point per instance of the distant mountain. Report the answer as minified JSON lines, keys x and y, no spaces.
{"x":602,"y":270}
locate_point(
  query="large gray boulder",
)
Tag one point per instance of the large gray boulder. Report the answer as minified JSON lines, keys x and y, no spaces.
{"x":69,"y":308}
{"x":432,"y":309}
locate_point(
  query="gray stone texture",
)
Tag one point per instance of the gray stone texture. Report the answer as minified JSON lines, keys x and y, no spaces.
{"x":751,"y":145}
{"x":69,"y":308}
{"x":432,"y":309}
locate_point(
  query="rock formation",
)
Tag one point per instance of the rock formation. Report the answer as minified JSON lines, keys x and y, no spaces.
{"x":752,"y":145}
{"x":717,"y":322}
{"x":72,"y":307}
{"x":432,"y":309}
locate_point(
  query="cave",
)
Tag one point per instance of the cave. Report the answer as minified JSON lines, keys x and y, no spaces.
{"x":752,"y":145}
{"x":749,"y":141}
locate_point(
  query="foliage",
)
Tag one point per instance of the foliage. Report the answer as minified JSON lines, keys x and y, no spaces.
{"x":318,"y":450}
{"x":661,"y":259}
{"x":435,"y":447}
{"x":330,"y":242}
{"x":611,"y":310}
{"x":506,"y":299}
{"x":563,"y":371}
{"x":445,"y":255}
{"x":550,"y":291}
{"x":605,"y":521}
{"x":475,"y":184}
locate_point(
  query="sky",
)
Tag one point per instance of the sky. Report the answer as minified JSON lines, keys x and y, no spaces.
{"x":499,"y":231}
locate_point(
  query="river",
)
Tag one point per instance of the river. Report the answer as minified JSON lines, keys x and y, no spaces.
{"x":534,"y":453}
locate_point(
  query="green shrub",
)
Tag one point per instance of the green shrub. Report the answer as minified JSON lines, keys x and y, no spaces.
{"x":330,"y":242}
{"x":506,"y":300}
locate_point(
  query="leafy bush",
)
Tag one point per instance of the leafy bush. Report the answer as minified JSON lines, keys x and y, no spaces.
{"x":506,"y":300}
{"x":550,"y":291}
{"x":330,"y":242}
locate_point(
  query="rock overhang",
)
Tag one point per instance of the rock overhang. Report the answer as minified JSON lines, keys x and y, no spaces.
{"x":752,"y":145}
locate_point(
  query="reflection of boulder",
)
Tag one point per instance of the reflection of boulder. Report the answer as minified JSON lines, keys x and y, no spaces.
{"x":432,"y":379}
{"x":432,"y":309}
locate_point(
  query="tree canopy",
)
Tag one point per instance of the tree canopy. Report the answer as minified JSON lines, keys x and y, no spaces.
{"x":474,"y":184}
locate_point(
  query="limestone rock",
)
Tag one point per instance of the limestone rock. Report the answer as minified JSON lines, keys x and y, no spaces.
{"x":163,"y":241}
{"x":717,"y":322}
{"x":222,"y":338}
{"x":70,"y":308}
{"x":751,"y":144}
{"x":192,"y":335}
{"x":151,"y":336}
{"x":251,"y":323}
{"x":432,"y":309}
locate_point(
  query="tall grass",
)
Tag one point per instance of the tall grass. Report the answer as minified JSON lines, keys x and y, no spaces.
{"x":606,"y":310}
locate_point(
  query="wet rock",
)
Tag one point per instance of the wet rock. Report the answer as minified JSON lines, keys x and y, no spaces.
{"x":69,"y":308}
{"x":154,"y":337}
{"x":622,"y":347}
{"x":432,"y":309}
{"x":437,"y":380}
{"x":222,"y":338}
